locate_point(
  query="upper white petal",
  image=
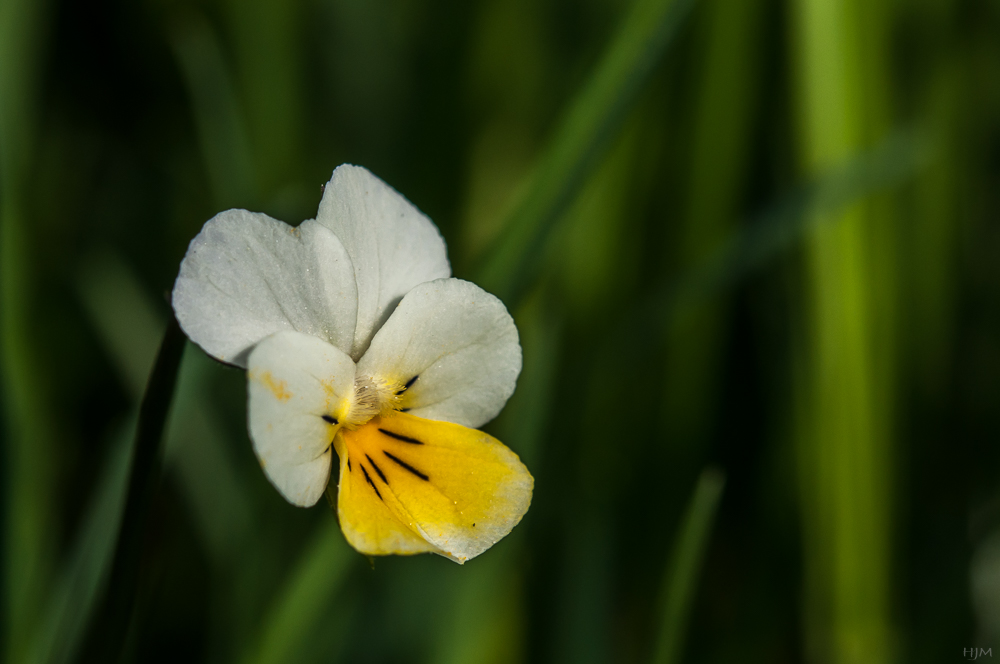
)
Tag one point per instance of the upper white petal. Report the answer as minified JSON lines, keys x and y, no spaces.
{"x":293,"y":380}
{"x":246,"y":276}
{"x":460,"y":343}
{"x":392,"y":245}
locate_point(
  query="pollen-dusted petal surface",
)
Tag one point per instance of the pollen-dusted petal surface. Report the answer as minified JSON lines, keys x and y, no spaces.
{"x":456,"y":347}
{"x":246,"y":276}
{"x":299,"y":392}
{"x":409,"y":483}
{"x":392,"y":245}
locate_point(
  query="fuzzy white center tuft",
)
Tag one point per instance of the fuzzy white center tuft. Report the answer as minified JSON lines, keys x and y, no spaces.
{"x":372,"y":397}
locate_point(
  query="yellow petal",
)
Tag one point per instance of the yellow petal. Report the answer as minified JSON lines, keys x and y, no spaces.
{"x":367,"y":523}
{"x":409,"y":485}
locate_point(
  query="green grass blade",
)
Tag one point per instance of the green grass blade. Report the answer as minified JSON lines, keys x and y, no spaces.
{"x":267,"y":52}
{"x":897,"y":159}
{"x":71,"y":604}
{"x":126,"y":319}
{"x":938,"y":192}
{"x":107,"y":638}
{"x":726,"y":107}
{"x":196,"y":451}
{"x":583,"y":136}
{"x":304,"y":602}
{"x":681,"y":578}
{"x":218,"y":115}
{"x":846,"y":371}
{"x":522,"y":423}
{"x":484,"y":621}
{"x":29,"y":439}
{"x":129,"y":324}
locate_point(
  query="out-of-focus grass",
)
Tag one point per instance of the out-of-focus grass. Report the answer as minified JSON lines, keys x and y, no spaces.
{"x":665,"y":326}
{"x":587,"y":129}
{"x":896,"y":160}
{"x":114,"y":617}
{"x":723,"y":118}
{"x":29,"y":516}
{"x":217,"y":112}
{"x":129,"y":325}
{"x":485,"y":618}
{"x":72,"y":602}
{"x":299,"y":614}
{"x":848,"y":366}
{"x":268,"y":57}
{"x":939,"y":192}
{"x":683,"y":571}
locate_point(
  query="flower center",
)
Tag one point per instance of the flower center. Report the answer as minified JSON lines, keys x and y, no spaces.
{"x":373,"y":396}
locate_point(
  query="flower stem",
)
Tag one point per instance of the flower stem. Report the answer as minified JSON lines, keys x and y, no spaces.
{"x":106,"y":638}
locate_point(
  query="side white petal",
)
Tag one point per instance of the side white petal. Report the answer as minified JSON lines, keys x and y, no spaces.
{"x":246,"y":276}
{"x":460,"y":344}
{"x":293,"y":381}
{"x":393,"y":246}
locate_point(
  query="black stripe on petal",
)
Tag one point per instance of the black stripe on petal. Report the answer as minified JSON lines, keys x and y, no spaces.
{"x":371,"y":484}
{"x":399,"y":436}
{"x":377,"y":469}
{"x":405,"y":465}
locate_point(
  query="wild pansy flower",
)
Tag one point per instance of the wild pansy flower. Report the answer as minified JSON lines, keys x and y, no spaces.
{"x":356,"y":339}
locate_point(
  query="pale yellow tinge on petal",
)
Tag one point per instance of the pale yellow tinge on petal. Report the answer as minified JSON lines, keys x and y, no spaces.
{"x":409,"y":485}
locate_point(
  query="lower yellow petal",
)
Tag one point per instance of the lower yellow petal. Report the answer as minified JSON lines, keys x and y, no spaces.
{"x":364,"y":517}
{"x":409,"y":485}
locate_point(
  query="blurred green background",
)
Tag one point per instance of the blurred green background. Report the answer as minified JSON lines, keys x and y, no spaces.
{"x":752,"y":248}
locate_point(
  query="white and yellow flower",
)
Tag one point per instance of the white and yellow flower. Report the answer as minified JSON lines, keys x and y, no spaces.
{"x":356,"y":339}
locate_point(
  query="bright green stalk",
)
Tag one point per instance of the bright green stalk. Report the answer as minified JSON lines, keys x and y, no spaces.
{"x":681,"y":576}
{"x":724,"y":114}
{"x":845,"y":416}
{"x":28,"y":454}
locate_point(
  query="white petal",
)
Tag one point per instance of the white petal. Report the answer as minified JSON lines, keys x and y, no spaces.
{"x":460,"y":343}
{"x":246,"y":276}
{"x":392,"y":245}
{"x":293,"y":381}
